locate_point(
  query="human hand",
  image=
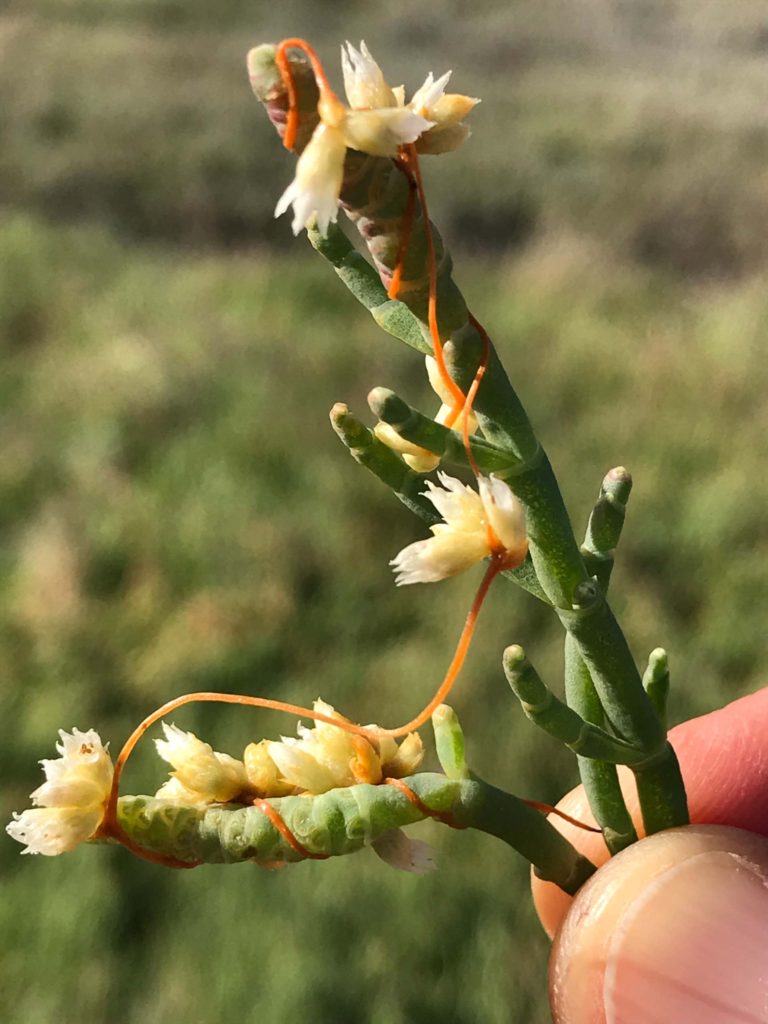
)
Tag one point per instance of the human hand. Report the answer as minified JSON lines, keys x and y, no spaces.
{"x":674,"y":929}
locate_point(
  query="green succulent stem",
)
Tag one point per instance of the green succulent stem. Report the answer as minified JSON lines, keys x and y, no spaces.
{"x":375,"y":195}
{"x":656,"y":681}
{"x":599,"y":778}
{"x":419,"y":429}
{"x":366,"y":449}
{"x":544,"y":709}
{"x":449,"y":743}
{"x":345,"y":820}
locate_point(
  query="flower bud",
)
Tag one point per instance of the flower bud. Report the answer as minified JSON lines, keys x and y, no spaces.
{"x":211,"y":776}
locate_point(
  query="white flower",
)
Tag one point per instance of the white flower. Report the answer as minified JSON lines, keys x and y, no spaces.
{"x":326,"y":757}
{"x":202,"y":774}
{"x":376,"y":122}
{"x":70,"y":805}
{"x":315,"y":189}
{"x":491,"y":522}
{"x":446,"y":112}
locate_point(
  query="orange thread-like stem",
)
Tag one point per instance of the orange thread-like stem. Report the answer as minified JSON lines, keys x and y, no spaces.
{"x":275,"y":818}
{"x":459,"y":657}
{"x":548,"y":809}
{"x":434,"y":330}
{"x":405,"y":231}
{"x":417,"y":802}
{"x":284,"y":67}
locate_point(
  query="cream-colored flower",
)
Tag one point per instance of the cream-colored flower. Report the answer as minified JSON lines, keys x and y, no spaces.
{"x":202,"y":774}
{"x":446,"y":111}
{"x":69,"y":806}
{"x":465,"y":538}
{"x":264,"y":777}
{"x":377,"y":121}
{"x":326,"y":757}
{"x":374,"y":123}
{"x":419,"y":459}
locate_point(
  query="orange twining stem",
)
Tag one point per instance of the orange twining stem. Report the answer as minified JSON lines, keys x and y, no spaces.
{"x":548,"y":809}
{"x":274,"y":816}
{"x":459,"y":657}
{"x":405,"y":234}
{"x":284,"y":67}
{"x":409,"y":165}
{"x":434,"y":330}
{"x":417,"y":802}
{"x":446,"y":819}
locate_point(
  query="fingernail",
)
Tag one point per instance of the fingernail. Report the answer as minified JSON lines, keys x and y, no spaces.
{"x":693,"y":947}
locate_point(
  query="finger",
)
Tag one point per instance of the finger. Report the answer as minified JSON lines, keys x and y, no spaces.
{"x":724,"y":761}
{"x":673,"y":929}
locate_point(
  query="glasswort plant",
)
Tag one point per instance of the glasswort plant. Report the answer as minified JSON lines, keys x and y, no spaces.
{"x":340,"y":786}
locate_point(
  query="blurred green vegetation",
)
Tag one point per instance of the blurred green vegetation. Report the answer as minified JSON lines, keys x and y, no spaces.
{"x":176,"y":515}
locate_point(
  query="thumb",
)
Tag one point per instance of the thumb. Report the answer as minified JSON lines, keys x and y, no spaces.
{"x":675,"y":928}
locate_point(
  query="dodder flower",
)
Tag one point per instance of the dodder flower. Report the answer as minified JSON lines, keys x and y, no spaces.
{"x":69,"y":806}
{"x":326,"y":757}
{"x":202,"y":775}
{"x":465,"y":538}
{"x":377,"y":122}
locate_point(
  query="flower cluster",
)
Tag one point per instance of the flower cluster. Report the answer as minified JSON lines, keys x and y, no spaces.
{"x":321,"y":758}
{"x":69,"y":807}
{"x":477,"y":525}
{"x":377,"y":121}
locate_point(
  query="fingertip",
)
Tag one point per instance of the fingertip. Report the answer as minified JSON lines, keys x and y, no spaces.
{"x":675,"y":928}
{"x":724,"y":761}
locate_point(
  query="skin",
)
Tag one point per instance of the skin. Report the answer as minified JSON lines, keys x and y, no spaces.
{"x":676,"y":927}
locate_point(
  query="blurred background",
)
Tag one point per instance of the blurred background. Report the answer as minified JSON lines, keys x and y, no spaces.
{"x":176,"y":514}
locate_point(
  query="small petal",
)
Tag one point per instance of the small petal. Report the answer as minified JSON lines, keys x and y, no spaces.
{"x":263,"y":775}
{"x":408,"y":758}
{"x":381,"y":132}
{"x":442,"y":139}
{"x":174,"y":789}
{"x":54,"y":830}
{"x":505,"y":514}
{"x":319,"y":174}
{"x":419,"y":459}
{"x":422,"y":463}
{"x":300,"y":768}
{"x":364,"y":82}
{"x":458,"y":504}
{"x":403,"y":853}
{"x":425,"y":98}
{"x":446,"y":554}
